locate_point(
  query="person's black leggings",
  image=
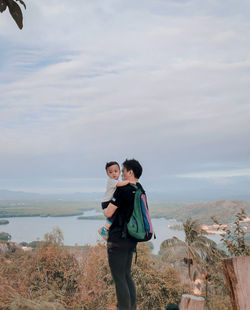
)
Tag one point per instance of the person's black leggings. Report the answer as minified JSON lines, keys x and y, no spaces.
{"x":120,"y":259}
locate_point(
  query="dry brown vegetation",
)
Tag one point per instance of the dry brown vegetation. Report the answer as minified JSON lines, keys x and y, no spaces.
{"x":54,"y":277}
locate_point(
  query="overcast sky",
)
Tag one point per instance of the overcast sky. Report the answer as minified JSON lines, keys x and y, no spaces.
{"x":164,"y":81}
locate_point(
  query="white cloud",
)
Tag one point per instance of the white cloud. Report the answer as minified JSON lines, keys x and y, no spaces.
{"x":217,"y":174}
{"x":164,"y":80}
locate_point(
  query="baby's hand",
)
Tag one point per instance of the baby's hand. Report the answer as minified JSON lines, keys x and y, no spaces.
{"x":122,"y":183}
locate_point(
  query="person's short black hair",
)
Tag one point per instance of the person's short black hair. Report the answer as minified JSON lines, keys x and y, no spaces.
{"x":134,"y":165}
{"x":111,"y":163}
{"x":171,"y":306}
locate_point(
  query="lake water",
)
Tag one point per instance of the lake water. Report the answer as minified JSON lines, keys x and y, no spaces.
{"x":80,"y":232}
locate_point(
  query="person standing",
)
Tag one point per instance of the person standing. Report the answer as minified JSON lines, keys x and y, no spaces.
{"x":121,"y":246}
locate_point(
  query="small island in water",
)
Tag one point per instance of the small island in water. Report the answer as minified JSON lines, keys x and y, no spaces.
{"x":4,"y":222}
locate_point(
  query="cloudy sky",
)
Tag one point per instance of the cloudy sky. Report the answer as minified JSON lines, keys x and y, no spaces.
{"x":163,"y":81}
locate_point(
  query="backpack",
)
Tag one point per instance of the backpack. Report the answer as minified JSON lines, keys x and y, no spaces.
{"x":139,"y":225}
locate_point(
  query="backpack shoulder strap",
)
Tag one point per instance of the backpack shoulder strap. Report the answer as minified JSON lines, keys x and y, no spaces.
{"x":133,"y":185}
{"x":138,"y":186}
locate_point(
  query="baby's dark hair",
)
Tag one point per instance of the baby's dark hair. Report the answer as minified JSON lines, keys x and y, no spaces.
{"x":111,"y":163}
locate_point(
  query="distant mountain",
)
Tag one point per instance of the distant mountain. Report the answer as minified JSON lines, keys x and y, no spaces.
{"x":223,"y":210}
{"x":19,"y":195}
{"x":13,"y":195}
{"x":153,"y":196}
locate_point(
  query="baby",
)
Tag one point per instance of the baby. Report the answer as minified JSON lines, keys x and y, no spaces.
{"x":113,"y":171}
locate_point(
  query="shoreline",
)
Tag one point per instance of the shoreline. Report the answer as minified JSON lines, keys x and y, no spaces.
{"x":212,"y":229}
{"x":38,"y":215}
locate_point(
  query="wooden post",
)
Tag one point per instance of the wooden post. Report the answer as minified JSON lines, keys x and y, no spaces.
{"x":237,"y":274}
{"x":190,"y":302}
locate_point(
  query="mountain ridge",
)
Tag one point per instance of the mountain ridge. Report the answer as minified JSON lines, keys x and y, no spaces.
{"x":223,"y":210}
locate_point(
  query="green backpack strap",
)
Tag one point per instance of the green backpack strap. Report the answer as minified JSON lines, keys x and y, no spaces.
{"x":133,"y":185}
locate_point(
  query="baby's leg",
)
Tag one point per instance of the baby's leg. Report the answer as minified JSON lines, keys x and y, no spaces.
{"x":108,"y":223}
{"x":104,"y":231}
